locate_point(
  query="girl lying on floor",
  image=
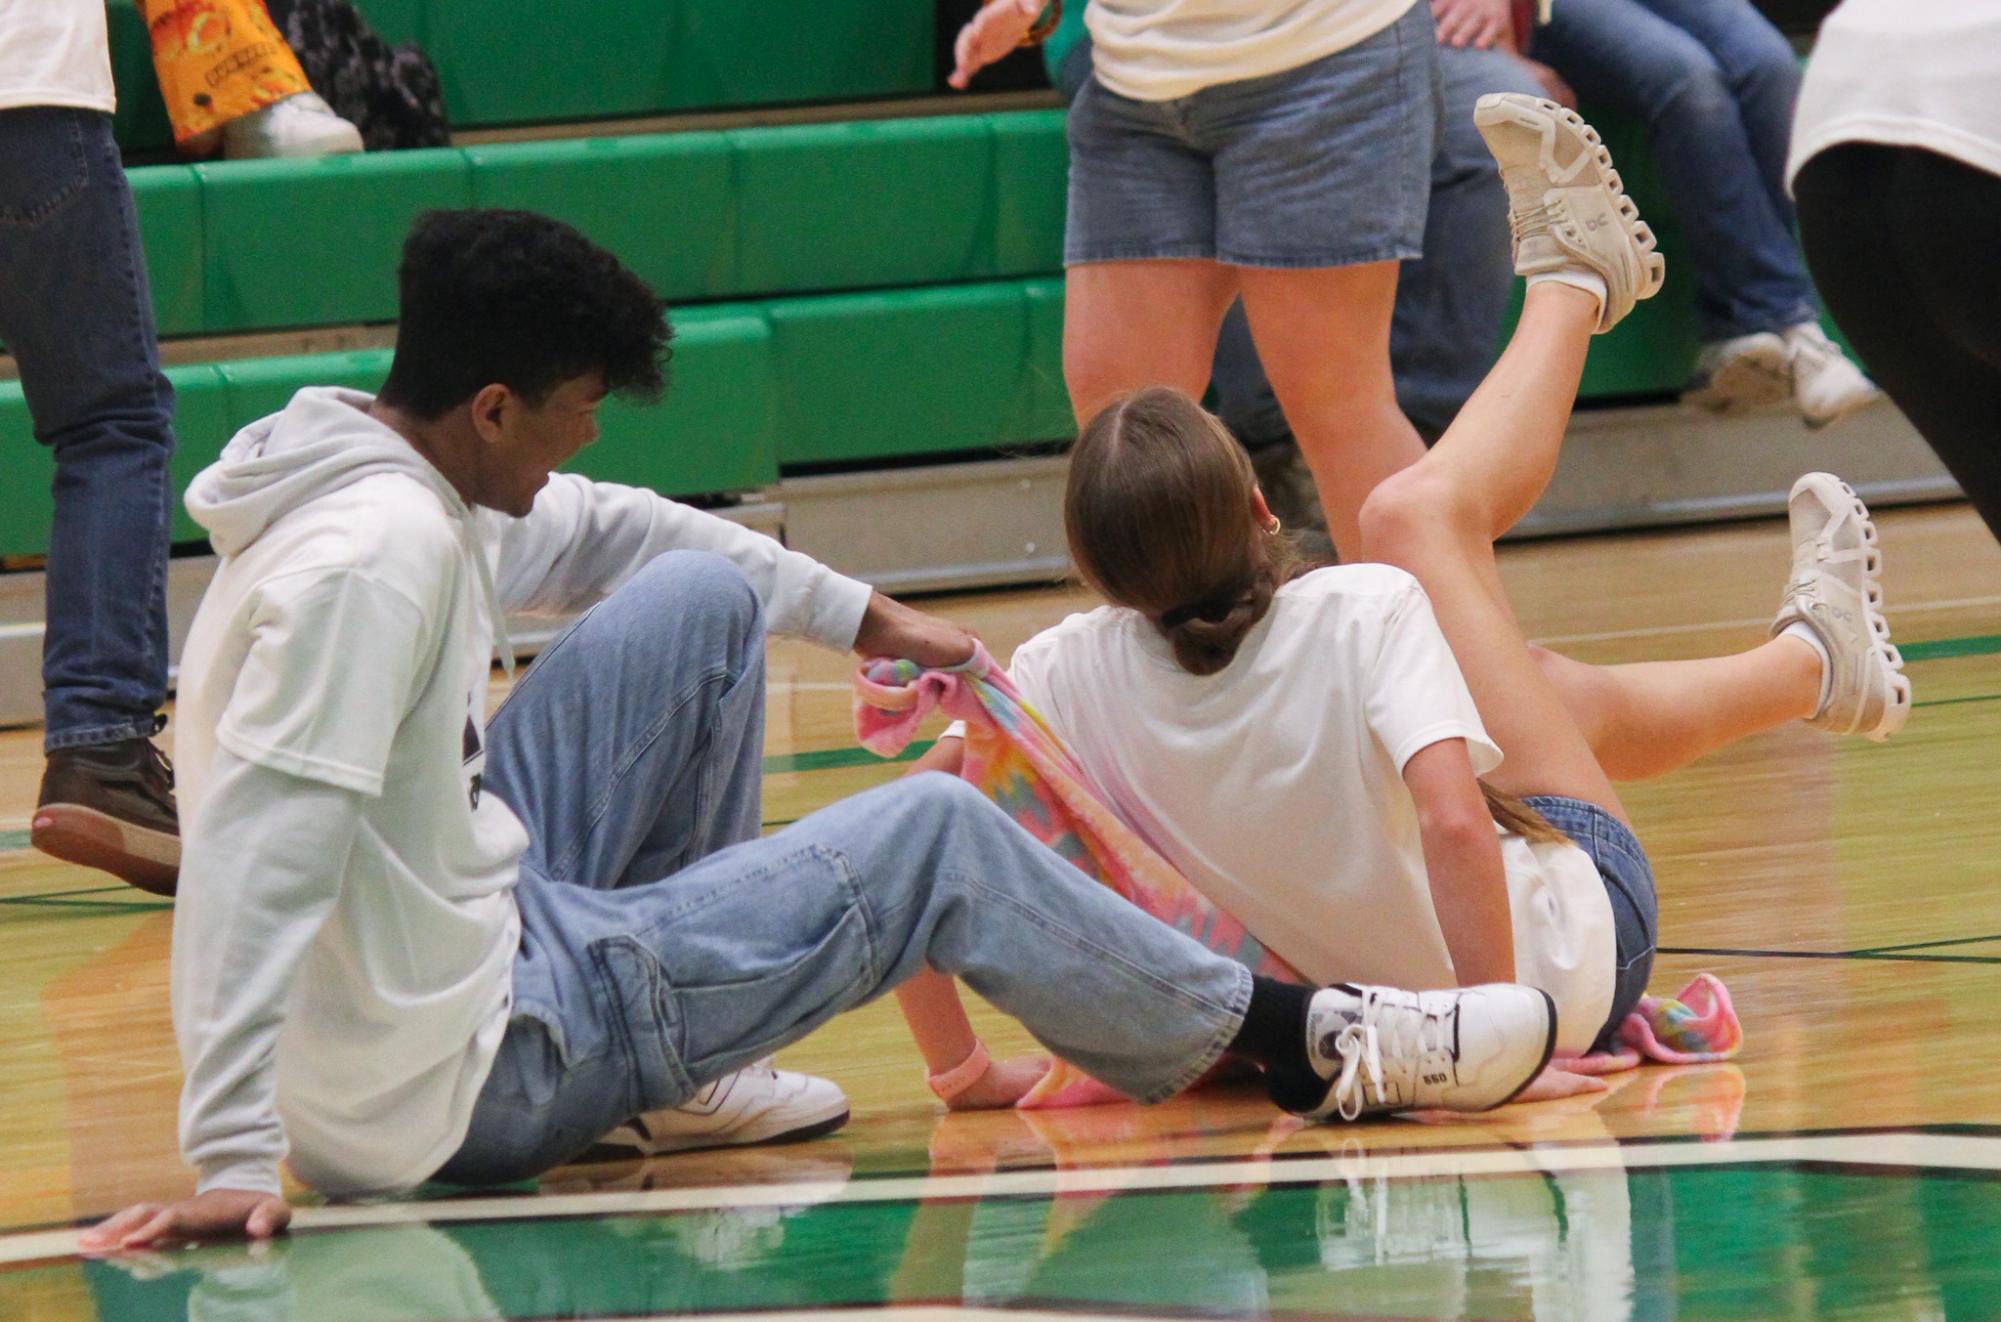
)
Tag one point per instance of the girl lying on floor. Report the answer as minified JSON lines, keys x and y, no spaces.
{"x":1320,"y":753}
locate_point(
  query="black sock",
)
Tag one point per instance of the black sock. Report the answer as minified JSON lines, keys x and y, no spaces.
{"x":1274,"y":1035}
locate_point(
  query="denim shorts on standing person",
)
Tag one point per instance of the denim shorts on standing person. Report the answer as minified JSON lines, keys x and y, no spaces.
{"x":1629,"y":884}
{"x":76,"y":314}
{"x":1324,"y":165}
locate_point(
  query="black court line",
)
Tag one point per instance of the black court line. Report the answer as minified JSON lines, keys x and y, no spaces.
{"x":1880,"y":955}
{"x":1926,"y":945}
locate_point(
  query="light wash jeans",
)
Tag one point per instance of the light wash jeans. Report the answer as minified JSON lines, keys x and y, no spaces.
{"x":664,"y":945}
{"x":1715,"y":84}
{"x":77,"y":316}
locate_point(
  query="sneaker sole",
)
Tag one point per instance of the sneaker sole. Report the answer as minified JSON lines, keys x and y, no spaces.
{"x":750,"y":1136}
{"x":1497,"y":108}
{"x":1816,"y":421}
{"x":148,"y":859}
{"x":1896,"y":684}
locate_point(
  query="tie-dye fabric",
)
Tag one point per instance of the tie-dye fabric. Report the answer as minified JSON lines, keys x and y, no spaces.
{"x":1019,"y":763}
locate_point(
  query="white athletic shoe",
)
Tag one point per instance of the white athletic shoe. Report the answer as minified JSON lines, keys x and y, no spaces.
{"x":300,"y":125}
{"x":1382,"y":1049}
{"x":757,"y":1104}
{"x":1566,"y":204}
{"x":1748,"y":372}
{"x":1827,"y":387}
{"x":1834,"y":592}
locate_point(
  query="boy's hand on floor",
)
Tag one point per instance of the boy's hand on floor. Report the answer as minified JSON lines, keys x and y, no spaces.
{"x":217,"y":1214}
{"x":1005,"y":1083}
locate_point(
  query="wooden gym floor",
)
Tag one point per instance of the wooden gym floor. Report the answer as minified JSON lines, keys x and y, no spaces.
{"x":1849,"y":894}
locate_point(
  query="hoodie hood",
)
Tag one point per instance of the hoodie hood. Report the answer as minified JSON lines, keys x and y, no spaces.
{"x":322,"y":441}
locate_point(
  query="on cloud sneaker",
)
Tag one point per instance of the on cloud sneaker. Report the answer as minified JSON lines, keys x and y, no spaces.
{"x":1835,"y":593}
{"x":1748,"y":372}
{"x":757,"y":1104}
{"x":1566,"y":204}
{"x":1383,"y":1049}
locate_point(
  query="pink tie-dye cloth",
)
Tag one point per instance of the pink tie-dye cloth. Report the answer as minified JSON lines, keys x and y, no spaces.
{"x":1019,"y":763}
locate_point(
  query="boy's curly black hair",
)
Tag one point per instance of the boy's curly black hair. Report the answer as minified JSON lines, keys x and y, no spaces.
{"x":522,"y":300}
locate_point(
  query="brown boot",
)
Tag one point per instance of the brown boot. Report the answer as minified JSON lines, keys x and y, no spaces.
{"x":111,"y":806}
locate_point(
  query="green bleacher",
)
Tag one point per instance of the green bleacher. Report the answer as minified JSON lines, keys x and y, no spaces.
{"x":845,"y":292}
{"x":552,"y":61}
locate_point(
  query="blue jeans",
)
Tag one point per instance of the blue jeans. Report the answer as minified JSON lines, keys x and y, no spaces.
{"x":1450,"y":301}
{"x":1715,"y":84}
{"x":664,"y":945}
{"x":76,"y":313}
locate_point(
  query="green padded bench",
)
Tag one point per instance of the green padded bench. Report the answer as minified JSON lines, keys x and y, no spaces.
{"x":752,"y":386}
{"x":557,"y":60}
{"x":714,"y":432}
{"x":262,"y":245}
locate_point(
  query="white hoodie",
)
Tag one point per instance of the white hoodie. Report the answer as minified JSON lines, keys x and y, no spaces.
{"x":346,"y":928}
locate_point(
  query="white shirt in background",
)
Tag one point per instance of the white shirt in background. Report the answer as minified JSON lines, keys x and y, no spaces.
{"x":1158,"y":50}
{"x":1905,"y":73}
{"x":1276,"y":785}
{"x":55,"y":53}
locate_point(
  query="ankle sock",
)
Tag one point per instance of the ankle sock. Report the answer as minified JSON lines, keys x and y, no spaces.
{"x":1803,"y":631}
{"x":1274,"y":1035}
{"x":1588,"y":281}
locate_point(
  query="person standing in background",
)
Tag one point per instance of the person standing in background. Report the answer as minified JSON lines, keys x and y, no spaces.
{"x":231,"y":82}
{"x":76,"y":314}
{"x":1896,"y":167}
{"x":1714,"y":83}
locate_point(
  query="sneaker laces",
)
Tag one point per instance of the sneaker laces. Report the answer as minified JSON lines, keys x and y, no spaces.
{"x":1411,"y":1034}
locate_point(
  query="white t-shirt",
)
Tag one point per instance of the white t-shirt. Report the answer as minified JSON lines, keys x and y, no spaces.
{"x":1905,"y":73}
{"x":55,"y":53}
{"x":1158,"y":50}
{"x":1276,"y":785}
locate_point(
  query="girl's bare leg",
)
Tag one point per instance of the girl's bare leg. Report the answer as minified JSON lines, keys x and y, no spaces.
{"x":1653,"y":717}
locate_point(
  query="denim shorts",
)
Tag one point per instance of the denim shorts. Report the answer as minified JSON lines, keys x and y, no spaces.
{"x":1629,"y":884}
{"x":1328,"y":164}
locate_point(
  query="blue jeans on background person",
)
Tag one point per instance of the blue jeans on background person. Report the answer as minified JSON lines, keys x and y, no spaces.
{"x":1715,"y":84}
{"x":76,"y":314}
{"x":664,"y":945}
{"x":1446,"y":326}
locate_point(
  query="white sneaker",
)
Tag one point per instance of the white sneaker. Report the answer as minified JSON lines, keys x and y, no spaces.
{"x":1566,"y":204}
{"x":1382,"y":1049}
{"x":757,"y":1104}
{"x":1748,"y":372}
{"x":1827,"y":387}
{"x":300,"y":125}
{"x":1834,"y":592}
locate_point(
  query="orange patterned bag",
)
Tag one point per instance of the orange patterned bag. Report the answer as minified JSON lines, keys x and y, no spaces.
{"x":218,"y":59}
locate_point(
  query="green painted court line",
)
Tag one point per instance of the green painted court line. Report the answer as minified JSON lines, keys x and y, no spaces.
{"x":12,"y":840}
{"x":1954,"y":702}
{"x":93,"y":906}
{"x":826,"y":759}
{"x":63,"y":895}
{"x":1937,"y":649}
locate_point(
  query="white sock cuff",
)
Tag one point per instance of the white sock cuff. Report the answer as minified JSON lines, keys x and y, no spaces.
{"x":1577,"y":278}
{"x":1803,"y":631}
